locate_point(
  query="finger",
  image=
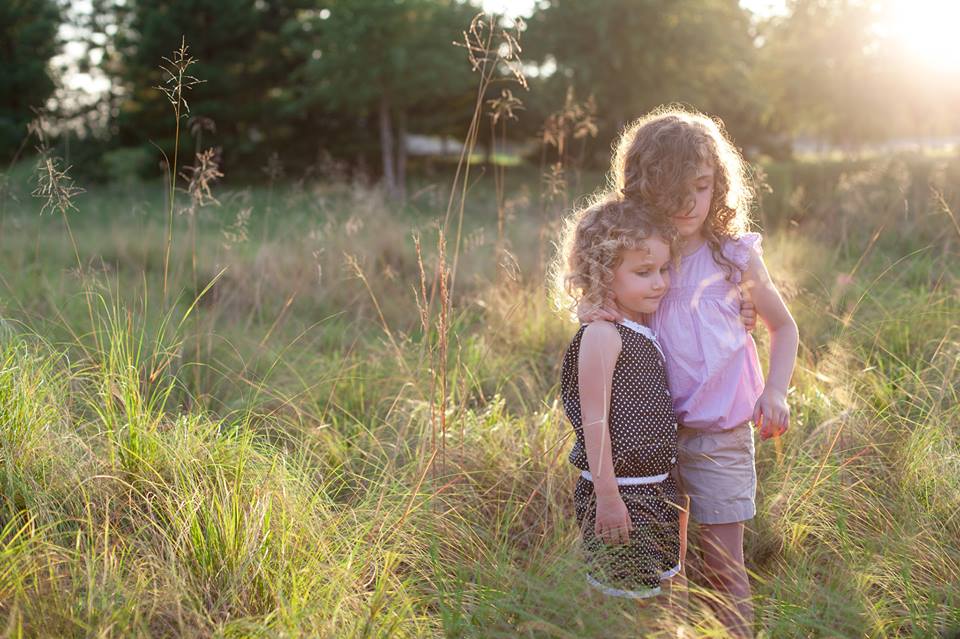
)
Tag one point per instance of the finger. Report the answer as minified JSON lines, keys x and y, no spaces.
{"x":614,"y":535}
{"x":772,"y":421}
{"x":604,"y":535}
{"x":622,"y":535}
{"x":784,"y":423}
{"x":765,"y":427}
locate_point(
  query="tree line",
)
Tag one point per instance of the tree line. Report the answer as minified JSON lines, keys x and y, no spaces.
{"x":351,"y":79}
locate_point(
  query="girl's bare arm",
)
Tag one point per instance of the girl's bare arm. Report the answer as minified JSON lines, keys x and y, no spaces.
{"x":599,"y":348}
{"x":784,"y":341}
{"x":587,"y":314}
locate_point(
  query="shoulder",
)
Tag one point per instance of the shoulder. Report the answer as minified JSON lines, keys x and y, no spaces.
{"x":743,"y":250}
{"x":601,"y":337}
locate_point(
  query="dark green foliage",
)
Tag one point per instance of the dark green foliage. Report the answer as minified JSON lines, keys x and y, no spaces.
{"x":243,"y":60}
{"x":28,"y":40}
{"x":636,"y":54}
{"x":292,"y":76}
{"x":391,"y":65}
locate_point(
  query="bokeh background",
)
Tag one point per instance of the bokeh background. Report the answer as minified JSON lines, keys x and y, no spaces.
{"x":278,"y":351}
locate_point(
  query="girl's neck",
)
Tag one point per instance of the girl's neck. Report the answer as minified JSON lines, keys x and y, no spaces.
{"x":690,"y":244}
{"x":639,"y":318}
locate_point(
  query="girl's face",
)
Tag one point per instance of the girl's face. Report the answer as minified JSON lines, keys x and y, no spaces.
{"x":690,"y":223}
{"x":641,"y":279}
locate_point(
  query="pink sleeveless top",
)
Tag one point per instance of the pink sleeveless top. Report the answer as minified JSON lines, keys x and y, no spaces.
{"x":712,"y":366}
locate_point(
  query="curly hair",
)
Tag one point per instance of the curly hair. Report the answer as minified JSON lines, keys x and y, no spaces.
{"x":591,"y":246}
{"x":656,"y":160}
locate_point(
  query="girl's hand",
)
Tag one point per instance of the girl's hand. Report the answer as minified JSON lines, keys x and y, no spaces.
{"x":588,"y":313}
{"x":771,"y":414}
{"x":613,"y":523}
{"x":748,"y":314}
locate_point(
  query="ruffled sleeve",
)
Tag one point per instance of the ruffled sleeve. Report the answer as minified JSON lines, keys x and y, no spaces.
{"x":738,"y":251}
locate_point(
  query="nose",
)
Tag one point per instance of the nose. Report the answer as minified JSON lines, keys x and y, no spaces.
{"x":658,"y":281}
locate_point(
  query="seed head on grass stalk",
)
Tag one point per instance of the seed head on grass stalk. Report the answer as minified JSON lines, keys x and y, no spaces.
{"x":176,"y":82}
{"x":501,"y":110}
{"x":57,"y":190}
{"x":493,"y":50}
{"x":199,"y":177}
{"x":54,"y":186}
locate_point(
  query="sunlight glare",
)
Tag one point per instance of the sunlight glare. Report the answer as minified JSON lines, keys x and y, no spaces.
{"x":928,"y":29}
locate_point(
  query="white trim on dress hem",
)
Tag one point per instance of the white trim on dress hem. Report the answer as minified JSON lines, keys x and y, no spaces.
{"x":632,"y":594}
{"x":630,"y":481}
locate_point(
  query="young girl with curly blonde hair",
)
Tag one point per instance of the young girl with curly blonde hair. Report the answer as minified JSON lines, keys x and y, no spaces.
{"x":615,"y":395}
{"x":681,"y":165}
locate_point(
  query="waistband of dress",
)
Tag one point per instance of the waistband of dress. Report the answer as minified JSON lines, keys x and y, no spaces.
{"x":630,"y":481}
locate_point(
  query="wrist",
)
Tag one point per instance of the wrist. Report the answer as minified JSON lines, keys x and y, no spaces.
{"x":775,"y":391}
{"x":606,"y":491}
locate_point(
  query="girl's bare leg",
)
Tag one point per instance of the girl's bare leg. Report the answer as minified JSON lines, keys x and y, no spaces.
{"x":678,"y":586}
{"x":722,"y":546}
{"x":684,"y":522}
{"x":674,"y":604}
{"x":675,"y":599}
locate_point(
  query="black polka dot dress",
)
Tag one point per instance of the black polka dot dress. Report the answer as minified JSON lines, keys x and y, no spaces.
{"x":643,"y":433}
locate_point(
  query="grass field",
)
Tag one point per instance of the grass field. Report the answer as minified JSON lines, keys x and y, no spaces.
{"x":289,"y":442}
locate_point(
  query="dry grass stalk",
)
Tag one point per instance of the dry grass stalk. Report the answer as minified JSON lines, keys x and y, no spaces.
{"x":236,"y":232}
{"x":58,"y":190}
{"x":501,"y":110}
{"x":176,"y":82}
{"x":443,"y":330}
{"x":421,"y":298}
{"x":490,"y":47}
{"x":54,"y":186}
{"x":199,"y":177}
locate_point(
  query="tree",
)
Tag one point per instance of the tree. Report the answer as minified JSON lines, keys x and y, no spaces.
{"x":823,"y":72}
{"x":243,"y":61}
{"x":636,"y":54}
{"x":388,"y":61}
{"x":28,"y":40}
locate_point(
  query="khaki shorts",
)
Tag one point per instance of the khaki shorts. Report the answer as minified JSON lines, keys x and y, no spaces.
{"x":717,"y":471}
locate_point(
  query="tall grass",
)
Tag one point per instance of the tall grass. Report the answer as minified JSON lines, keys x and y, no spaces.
{"x":287,"y":481}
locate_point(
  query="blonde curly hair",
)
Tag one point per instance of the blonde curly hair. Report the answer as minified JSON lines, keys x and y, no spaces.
{"x":656,"y":160}
{"x":591,"y":247}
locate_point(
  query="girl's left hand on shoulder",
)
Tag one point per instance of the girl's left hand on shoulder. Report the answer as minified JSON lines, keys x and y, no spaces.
{"x":771,"y":413}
